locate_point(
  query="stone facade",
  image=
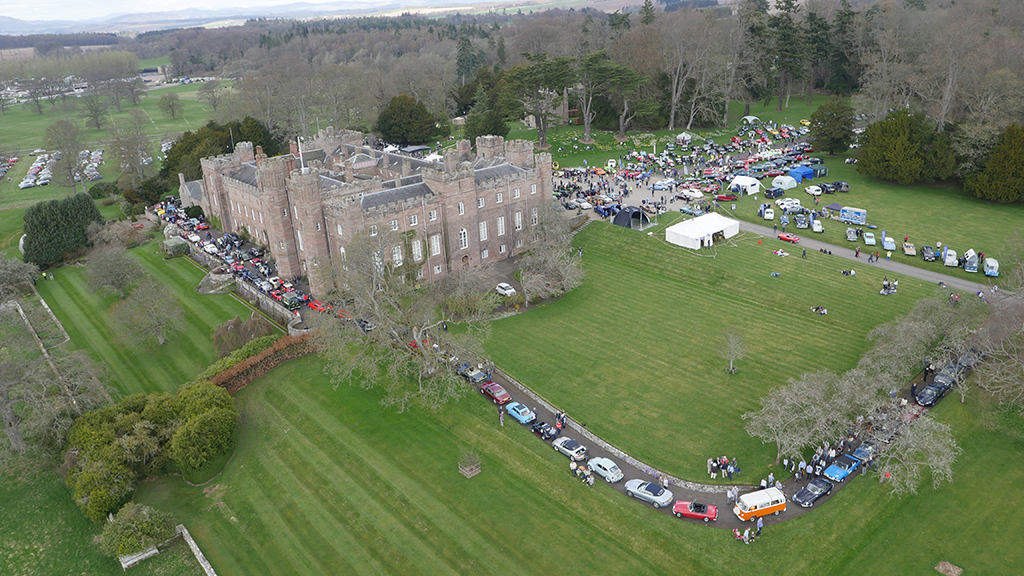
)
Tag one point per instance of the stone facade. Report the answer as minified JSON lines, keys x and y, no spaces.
{"x":465,"y":209}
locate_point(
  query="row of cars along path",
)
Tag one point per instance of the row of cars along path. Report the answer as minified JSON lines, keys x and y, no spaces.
{"x":684,"y":490}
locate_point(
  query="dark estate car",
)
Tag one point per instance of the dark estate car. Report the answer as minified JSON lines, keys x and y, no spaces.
{"x":928,"y":253}
{"x":815,"y":489}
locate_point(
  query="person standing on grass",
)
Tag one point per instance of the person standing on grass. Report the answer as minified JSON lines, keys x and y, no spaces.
{"x":771,"y":478}
{"x":709,"y":466}
{"x":714,"y":469}
{"x":913,"y":390}
{"x":760,"y":525}
{"x":501,"y":416}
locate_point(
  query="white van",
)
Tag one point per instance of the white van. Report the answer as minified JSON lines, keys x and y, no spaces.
{"x":760,"y":503}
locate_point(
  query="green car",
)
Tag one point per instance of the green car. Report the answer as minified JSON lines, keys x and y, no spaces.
{"x":291,"y":302}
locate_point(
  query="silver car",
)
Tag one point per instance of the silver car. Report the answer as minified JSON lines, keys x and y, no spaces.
{"x":649,"y":492}
{"x":606,"y":469}
{"x":570,"y":448}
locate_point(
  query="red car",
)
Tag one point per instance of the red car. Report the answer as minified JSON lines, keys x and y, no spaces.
{"x":787,"y":237}
{"x":705,"y":512}
{"x":727,"y":197}
{"x":202,"y":226}
{"x":774,"y":173}
{"x":496,"y":393}
{"x":276,"y":295}
{"x":319,"y":306}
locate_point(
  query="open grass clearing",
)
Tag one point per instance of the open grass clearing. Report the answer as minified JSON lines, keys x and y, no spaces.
{"x":327,"y":481}
{"x":634,"y":352}
{"x":163,"y":369}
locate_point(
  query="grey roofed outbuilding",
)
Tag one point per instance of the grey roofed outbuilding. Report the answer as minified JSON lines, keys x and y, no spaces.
{"x":415,"y":149}
{"x":630,"y":214}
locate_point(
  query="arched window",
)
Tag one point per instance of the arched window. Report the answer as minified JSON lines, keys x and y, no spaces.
{"x":463,"y":239}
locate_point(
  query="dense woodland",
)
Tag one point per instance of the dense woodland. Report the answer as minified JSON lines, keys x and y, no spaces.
{"x":956,"y":64}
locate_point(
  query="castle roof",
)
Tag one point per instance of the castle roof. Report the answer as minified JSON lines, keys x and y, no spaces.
{"x":384,"y":197}
{"x":246,"y":174}
{"x":498,"y":171}
{"x":195,"y":190}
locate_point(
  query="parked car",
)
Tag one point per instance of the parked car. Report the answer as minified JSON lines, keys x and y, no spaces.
{"x":521,"y":413}
{"x":505,"y":289}
{"x":813,"y":190}
{"x":842,"y":467}
{"x":947,"y":377}
{"x":815,"y":489}
{"x":909,"y":249}
{"x":726,"y":197}
{"x":473,"y":375}
{"x":865,"y":450}
{"x":319,"y":306}
{"x":927,"y":253}
{"x":931,"y":394}
{"x":869,"y":239}
{"x":801,"y":221}
{"x":606,"y":469}
{"x":496,"y":393}
{"x":769,"y":214}
{"x":571,"y":448}
{"x":648,"y":492}
{"x":888,"y":243}
{"x":544,"y":430}
{"x":705,"y":512}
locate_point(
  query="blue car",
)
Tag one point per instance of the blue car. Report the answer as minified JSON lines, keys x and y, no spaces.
{"x":842,"y":467}
{"x":521,"y":413}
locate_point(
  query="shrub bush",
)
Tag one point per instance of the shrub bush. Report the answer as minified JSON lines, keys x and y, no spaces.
{"x":135,"y":528}
{"x":251,"y":348}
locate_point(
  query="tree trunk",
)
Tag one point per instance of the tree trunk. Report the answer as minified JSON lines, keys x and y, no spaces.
{"x":746,"y":108}
{"x":782,"y":89}
{"x":160,"y":337}
{"x":810,"y":88}
{"x":12,"y":425}
{"x":622,"y":119}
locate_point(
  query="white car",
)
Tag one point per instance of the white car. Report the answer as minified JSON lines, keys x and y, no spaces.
{"x":813,"y":190}
{"x":505,"y":289}
{"x":769,"y":214}
{"x":210,"y":248}
{"x":571,"y":448}
{"x":606,"y":469}
{"x":193,"y":238}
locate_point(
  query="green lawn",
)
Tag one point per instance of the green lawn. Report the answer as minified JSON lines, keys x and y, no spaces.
{"x":155,"y":62}
{"x":46,"y":534}
{"x":328,"y":482}
{"x":163,"y":369}
{"x":24,"y":129}
{"x":633,"y":352}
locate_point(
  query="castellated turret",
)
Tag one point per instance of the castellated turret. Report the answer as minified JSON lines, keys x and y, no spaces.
{"x":273,"y":174}
{"x":520,"y":153}
{"x":490,"y":146}
{"x":244,"y":152}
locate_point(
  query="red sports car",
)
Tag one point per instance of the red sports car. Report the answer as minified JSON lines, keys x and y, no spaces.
{"x":276,"y":295}
{"x":496,"y":393}
{"x":787,"y":237}
{"x":319,"y":306}
{"x":774,"y":173}
{"x":727,"y":197}
{"x":705,"y":512}
{"x":202,"y":226}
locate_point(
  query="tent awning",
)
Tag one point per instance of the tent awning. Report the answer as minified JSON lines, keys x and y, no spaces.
{"x":834,"y":206}
{"x":690,"y":233}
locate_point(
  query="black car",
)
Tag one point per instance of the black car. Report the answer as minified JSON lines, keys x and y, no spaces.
{"x":801,"y":221}
{"x":930,"y":395}
{"x":815,"y":489}
{"x":946,"y":378}
{"x":841,"y":186}
{"x":544,"y":430}
{"x":774,"y":193}
{"x":827,"y":188}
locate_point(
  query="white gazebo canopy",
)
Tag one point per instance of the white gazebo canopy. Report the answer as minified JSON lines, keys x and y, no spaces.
{"x":690,"y":233}
{"x":784,"y":182}
{"x":749,"y":119}
{"x":744,"y":185}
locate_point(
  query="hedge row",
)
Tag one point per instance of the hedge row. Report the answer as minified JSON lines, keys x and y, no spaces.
{"x":250,"y":349}
{"x":242,"y":373}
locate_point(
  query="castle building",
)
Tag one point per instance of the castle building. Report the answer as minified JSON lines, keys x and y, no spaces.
{"x":462,"y":209}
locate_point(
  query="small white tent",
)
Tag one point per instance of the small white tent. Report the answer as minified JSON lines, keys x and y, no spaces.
{"x":700,"y":231}
{"x":784,"y":182}
{"x":744,"y":185}
{"x":750,"y":119}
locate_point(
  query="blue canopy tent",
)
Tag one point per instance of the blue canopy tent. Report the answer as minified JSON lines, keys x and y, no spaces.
{"x":802,"y":173}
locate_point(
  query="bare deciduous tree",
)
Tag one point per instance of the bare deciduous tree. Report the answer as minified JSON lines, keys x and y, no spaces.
{"x":15,"y":275}
{"x":922,"y":445}
{"x":112,"y":268}
{"x":150,"y":313}
{"x":733,"y":348}
{"x":233,"y":334}
{"x":396,"y":337}
{"x":798,"y":414}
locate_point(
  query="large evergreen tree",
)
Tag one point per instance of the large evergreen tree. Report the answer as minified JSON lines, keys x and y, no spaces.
{"x":406,"y":121}
{"x":832,"y":126}
{"x":56,"y":228}
{"x":906,"y":148}
{"x":1002,"y":178}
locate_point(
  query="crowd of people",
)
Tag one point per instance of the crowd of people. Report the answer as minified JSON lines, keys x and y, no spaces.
{"x":724,"y":466}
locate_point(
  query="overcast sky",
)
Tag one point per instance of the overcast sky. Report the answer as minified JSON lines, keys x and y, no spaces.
{"x":89,"y":9}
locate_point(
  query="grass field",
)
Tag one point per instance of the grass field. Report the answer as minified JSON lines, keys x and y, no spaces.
{"x":633,"y":352}
{"x":46,"y":534}
{"x":84,"y":315}
{"x":327,"y":482}
{"x":24,"y":129}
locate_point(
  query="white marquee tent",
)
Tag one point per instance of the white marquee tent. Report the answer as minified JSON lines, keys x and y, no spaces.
{"x":744,"y":185}
{"x":784,"y":182}
{"x":692,"y":233}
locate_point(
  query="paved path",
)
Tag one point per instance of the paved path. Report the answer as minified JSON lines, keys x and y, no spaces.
{"x":894,"y":267}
